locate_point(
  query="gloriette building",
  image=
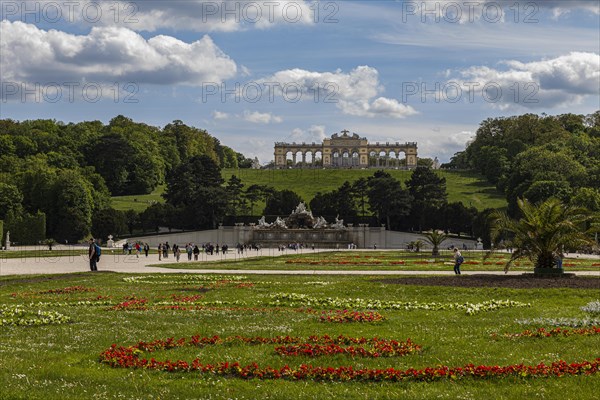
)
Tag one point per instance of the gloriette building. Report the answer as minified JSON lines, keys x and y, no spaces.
{"x":346,"y":151}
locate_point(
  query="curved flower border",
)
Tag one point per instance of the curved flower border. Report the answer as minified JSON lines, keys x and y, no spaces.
{"x":129,"y":357}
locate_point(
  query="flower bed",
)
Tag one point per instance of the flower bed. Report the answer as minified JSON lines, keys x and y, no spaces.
{"x":593,"y":308}
{"x":19,"y":316}
{"x":131,"y":357}
{"x":343,"y":316}
{"x":132,"y":304}
{"x":181,"y":279}
{"x":68,"y":290}
{"x":543,"y":333}
{"x":377,"y":348}
{"x":292,"y":299}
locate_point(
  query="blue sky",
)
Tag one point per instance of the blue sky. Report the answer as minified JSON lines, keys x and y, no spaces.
{"x":256,"y":72}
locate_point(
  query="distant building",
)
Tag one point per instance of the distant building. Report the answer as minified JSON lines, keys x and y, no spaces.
{"x":346,"y":151}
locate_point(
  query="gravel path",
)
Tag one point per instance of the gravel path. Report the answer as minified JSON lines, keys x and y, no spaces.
{"x":117,"y":262}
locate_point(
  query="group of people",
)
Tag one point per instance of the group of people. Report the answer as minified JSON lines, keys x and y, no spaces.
{"x":192,"y":250}
{"x":138,"y":247}
{"x":245,"y":247}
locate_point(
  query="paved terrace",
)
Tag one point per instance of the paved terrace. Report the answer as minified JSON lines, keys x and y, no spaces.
{"x":114,"y":260}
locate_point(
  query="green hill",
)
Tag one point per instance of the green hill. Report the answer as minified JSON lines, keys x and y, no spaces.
{"x":470,"y":188}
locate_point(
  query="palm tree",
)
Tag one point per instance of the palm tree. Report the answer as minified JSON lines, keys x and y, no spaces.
{"x":435,"y":238}
{"x":544,"y":231}
{"x":416,"y":245}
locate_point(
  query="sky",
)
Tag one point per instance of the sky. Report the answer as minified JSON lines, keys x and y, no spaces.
{"x":257,"y":72}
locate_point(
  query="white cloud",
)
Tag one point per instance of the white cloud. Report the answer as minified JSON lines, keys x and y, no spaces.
{"x":106,"y":54}
{"x":315,"y":133}
{"x":191,"y":15}
{"x":353,"y":92}
{"x":490,"y":11}
{"x":218,"y":115}
{"x":559,"y":81}
{"x":256,"y":117}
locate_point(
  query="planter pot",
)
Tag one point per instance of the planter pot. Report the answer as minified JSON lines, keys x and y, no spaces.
{"x":548,"y":272}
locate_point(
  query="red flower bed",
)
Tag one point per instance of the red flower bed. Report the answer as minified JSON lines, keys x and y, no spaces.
{"x":342,"y":316}
{"x":541,"y":332}
{"x":378,"y":348}
{"x":186,"y":299}
{"x":129,"y":357}
{"x":132,"y":304}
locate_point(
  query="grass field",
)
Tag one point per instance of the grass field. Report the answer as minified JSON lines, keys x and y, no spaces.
{"x":453,"y":327}
{"x":138,"y":202}
{"x":378,"y":261}
{"x":468,"y":187}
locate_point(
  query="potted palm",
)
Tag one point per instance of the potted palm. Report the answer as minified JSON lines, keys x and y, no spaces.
{"x":435,"y":238}
{"x":543,"y":231}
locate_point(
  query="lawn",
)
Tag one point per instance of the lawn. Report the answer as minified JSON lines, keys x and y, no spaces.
{"x":138,"y":202}
{"x":468,"y":187}
{"x":268,"y":320}
{"x":376,"y":260}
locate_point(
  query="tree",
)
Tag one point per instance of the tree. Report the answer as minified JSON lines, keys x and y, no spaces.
{"x":387,"y":199}
{"x":282,"y":202}
{"x":70,"y":217}
{"x":458,"y":218}
{"x":360,"y":189}
{"x":132,"y":220}
{"x":235,"y":196}
{"x":435,"y":239}
{"x":129,"y":162}
{"x":345,"y":203}
{"x":154,"y":216}
{"x":194,"y":189}
{"x":542,"y":164}
{"x":108,"y":222}
{"x":323,"y":204}
{"x":428,"y":193}
{"x":257,"y":192}
{"x":189,"y":141}
{"x":184,"y":181}
{"x":10,"y":199}
{"x":543,"y":232}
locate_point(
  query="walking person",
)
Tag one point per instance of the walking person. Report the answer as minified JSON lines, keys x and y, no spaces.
{"x":458,"y":260}
{"x":146,"y":249}
{"x":93,"y":255}
{"x":196,"y":252}
{"x":160,"y":251}
{"x":189,"y":249}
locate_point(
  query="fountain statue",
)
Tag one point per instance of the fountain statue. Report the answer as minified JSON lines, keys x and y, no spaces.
{"x":301,"y":227}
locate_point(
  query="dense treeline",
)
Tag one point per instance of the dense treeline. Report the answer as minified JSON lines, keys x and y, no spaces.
{"x":63,"y":175}
{"x":538,"y":157}
{"x":69,"y":171}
